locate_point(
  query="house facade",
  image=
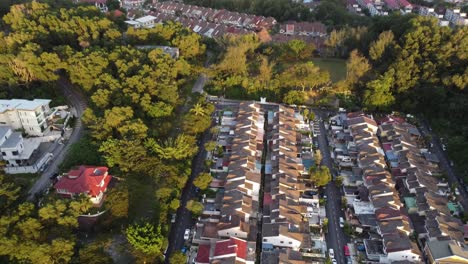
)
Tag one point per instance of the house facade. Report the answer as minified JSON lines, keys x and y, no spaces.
{"x":21,"y":155}
{"x":31,"y":116}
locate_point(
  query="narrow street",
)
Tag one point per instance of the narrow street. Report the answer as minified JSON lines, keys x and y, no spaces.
{"x":445,"y":164}
{"x":335,"y":237}
{"x":77,"y":101}
{"x":184,"y":217}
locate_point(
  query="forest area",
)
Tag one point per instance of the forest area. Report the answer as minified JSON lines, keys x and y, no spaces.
{"x":133,"y":121}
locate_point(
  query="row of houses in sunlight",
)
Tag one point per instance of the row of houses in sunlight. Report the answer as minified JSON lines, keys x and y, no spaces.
{"x":394,"y":190}
{"x":277,"y":207}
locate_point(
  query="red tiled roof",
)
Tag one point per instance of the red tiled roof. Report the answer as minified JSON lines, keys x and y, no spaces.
{"x":203,"y":254}
{"x":85,"y":179}
{"x":231,"y":246}
{"x":391,"y":119}
{"x":387,"y":146}
{"x":386,"y":213}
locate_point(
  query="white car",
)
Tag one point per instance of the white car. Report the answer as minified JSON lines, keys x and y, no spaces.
{"x":331,"y":253}
{"x":334,"y":261}
{"x":341,"y":222}
{"x":186,"y":234}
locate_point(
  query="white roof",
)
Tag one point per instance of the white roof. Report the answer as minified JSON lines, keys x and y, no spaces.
{"x":131,"y":22}
{"x":22,"y":104}
{"x":145,"y":19}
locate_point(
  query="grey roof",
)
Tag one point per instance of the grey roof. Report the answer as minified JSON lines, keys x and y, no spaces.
{"x":367,"y":220}
{"x":374,"y":247}
{"x":4,"y":130}
{"x":22,"y":104}
{"x":12,"y":141}
{"x":431,"y":157}
{"x":444,"y":248}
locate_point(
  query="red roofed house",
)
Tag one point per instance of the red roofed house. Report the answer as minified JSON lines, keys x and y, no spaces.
{"x":203,"y":255}
{"x":232,"y":248}
{"x":89,"y":180}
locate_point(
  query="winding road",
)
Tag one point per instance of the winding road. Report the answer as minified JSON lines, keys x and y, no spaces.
{"x":77,"y":101}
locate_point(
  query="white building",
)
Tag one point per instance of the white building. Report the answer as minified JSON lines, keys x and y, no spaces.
{"x":142,"y":22}
{"x":20,"y":155}
{"x":31,"y":116}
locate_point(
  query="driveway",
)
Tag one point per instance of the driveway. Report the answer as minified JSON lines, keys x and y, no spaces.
{"x":335,"y":236}
{"x":77,"y":101}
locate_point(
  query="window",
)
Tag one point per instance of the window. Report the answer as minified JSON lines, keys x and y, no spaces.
{"x":290,"y":243}
{"x":282,"y":242}
{"x":3,"y":153}
{"x":14,"y":153}
{"x":265,"y":240}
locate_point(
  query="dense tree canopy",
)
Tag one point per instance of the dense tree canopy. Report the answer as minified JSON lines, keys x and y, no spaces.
{"x":135,"y":93}
{"x":281,"y":72}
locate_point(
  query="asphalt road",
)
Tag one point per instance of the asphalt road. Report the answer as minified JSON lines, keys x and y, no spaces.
{"x":184,"y":217}
{"x":445,"y":164}
{"x":77,"y":101}
{"x":335,"y":237}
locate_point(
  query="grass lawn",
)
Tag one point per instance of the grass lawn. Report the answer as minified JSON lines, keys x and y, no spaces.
{"x":336,"y":67}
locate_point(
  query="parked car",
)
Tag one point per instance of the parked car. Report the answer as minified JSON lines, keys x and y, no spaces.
{"x":173,"y":218}
{"x":346,"y":251}
{"x":331,"y":253}
{"x":341,"y":222}
{"x":186,"y":234}
{"x":334,"y":261}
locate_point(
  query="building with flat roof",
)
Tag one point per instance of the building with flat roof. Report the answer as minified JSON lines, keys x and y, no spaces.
{"x":30,"y":116}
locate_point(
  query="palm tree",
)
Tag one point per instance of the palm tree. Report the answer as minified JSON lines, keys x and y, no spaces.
{"x":198,"y":110}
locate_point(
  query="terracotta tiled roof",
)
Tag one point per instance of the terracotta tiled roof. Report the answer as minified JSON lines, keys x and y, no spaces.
{"x":85,"y":179}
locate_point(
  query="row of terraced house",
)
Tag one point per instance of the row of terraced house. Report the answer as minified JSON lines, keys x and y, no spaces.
{"x":394,"y":191}
{"x":262,"y":209}
{"x":215,"y":23}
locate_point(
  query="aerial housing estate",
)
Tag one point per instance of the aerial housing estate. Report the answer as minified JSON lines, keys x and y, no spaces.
{"x":262,"y":203}
{"x":215,"y":23}
{"x":393,"y":189}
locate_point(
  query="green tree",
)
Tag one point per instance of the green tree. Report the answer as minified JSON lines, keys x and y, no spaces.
{"x":304,"y":75}
{"x":203,"y":180}
{"x":117,"y":201}
{"x":210,"y":146}
{"x":182,"y":147}
{"x":320,"y":176}
{"x":381,"y":45}
{"x":178,"y":257}
{"x":356,"y":67}
{"x":9,"y":192}
{"x":195,"y":207}
{"x":294,"y":97}
{"x":94,"y":253}
{"x":339,"y":181}
{"x":146,"y":239}
{"x":378,"y":95}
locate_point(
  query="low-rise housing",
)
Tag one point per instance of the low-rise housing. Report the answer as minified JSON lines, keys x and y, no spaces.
{"x":28,"y":115}
{"x":88,"y":180}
